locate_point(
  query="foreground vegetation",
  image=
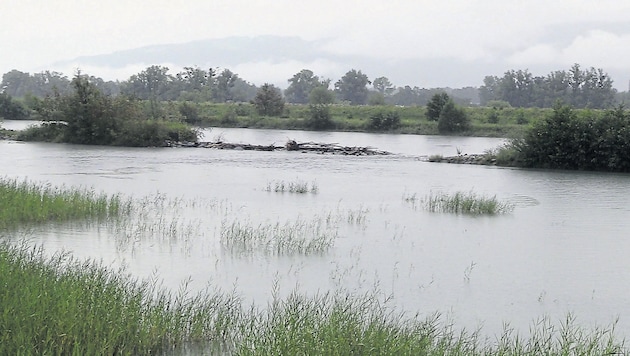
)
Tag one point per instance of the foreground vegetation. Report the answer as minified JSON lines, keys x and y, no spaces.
{"x":59,"y":305}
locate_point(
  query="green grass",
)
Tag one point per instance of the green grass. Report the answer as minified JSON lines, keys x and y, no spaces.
{"x":24,"y":202}
{"x":58,"y":305}
{"x":463,"y":203}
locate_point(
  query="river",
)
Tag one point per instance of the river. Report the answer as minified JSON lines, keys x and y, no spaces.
{"x":562,"y":250}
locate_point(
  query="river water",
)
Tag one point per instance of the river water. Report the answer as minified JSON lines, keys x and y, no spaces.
{"x":562,"y":250}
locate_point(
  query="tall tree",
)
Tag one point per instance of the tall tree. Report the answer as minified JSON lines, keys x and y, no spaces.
{"x":224,"y":84}
{"x":301,"y":85}
{"x":269,"y":101}
{"x":435,"y":105}
{"x":352,"y":87}
{"x":383,"y":86}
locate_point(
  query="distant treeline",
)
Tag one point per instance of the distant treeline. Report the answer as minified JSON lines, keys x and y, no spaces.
{"x":590,"y":88}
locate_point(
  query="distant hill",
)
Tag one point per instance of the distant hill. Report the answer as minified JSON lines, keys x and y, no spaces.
{"x":275,"y":59}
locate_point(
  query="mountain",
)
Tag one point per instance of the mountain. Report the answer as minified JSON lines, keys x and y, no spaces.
{"x":275,"y":59}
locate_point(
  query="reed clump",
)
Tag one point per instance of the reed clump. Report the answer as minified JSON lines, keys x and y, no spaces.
{"x":24,"y":202}
{"x":293,"y":237}
{"x":297,"y":187}
{"x":465,"y":203}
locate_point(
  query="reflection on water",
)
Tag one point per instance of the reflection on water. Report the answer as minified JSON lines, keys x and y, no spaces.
{"x":563,"y":249}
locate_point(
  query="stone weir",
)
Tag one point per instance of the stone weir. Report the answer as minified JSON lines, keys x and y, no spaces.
{"x":291,"y":145}
{"x":481,"y":159}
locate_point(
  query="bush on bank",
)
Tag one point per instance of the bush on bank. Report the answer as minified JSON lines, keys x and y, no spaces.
{"x":567,"y":140}
{"x":89,"y":117}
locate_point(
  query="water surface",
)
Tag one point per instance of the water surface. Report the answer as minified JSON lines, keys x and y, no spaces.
{"x":562,"y":250}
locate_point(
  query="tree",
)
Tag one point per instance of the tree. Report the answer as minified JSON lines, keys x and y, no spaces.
{"x":224,"y":84}
{"x":88,"y":114}
{"x":320,"y":100}
{"x":435,"y":106}
{"x":269,"y":101}
{"x":301,"y":85}
{"x":383,"y":86}
{"x":11,"y":109}
{"x":453,"y":118}
{"x":352,"y":87}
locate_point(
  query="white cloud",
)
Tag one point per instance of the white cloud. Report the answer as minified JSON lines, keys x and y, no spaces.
{"x":596,"y":48}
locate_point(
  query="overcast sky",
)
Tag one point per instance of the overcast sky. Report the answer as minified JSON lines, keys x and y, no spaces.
{"x":504,"y":34}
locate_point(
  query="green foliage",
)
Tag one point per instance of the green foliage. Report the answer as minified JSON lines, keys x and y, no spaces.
{"x":189,"y":111}
{"x":89,"y":117}
{"x":352,"y":87}
{"x":384,"y":121}
{"x":319,"y":117}
{"x":269,"y":101}
{"x":566,"y":140}
{"x":453,"y":119}
{"x":376,"y":99}
{"x":301,"y":85}
{"x":11,"y":109}
{"x":321,"y":96}
{"x":590,"y":88}
{"x":435,"y":106}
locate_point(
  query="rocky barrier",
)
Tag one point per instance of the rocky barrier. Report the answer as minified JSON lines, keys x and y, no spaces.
{"x":479,"y":159}
{"x":291,"y":145}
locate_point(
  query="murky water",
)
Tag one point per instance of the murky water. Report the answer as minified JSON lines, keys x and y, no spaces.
{"x":562,"y":250}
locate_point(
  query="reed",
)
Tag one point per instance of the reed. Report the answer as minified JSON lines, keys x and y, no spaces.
{"x":293,"y":237}
{"x":58,"y":305}
{"x":298,"y":187}
{"x":465,"y":203}
{"x":339,"y":324}
{"x":24,"y":202}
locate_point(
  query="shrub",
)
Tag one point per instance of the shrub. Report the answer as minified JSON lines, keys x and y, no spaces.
{"x":453,"y":119}
{"x":383,"y":121}
{"x":269,"y":101}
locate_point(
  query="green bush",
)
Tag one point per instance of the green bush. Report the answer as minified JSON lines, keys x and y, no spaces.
{"x":453,"y":119}
{"x":384,"y":121}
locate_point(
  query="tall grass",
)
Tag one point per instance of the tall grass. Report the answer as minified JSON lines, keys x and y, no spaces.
{"x":59,"y":305}
{"x":24,"y":202}
{"x":293,"y":237}
{"x":464,"y":203}
{"x":338,"y":324}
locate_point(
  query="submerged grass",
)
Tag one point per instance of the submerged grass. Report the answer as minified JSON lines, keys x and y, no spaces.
{"x":298,"y":187}
{"x":23,"y":202}
{"x":463,"y":203}
{"x":293,"y":237}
